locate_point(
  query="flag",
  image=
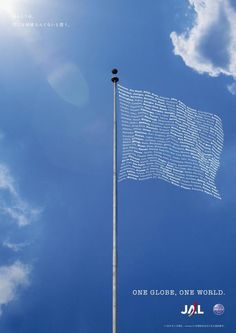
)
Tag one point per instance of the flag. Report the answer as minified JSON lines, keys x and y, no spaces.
{"x":165,"y":139}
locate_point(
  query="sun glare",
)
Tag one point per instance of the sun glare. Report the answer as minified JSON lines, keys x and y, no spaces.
{"x":9,"y":7}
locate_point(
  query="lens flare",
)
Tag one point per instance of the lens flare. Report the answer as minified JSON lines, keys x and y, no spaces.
{"x":9,"y":7}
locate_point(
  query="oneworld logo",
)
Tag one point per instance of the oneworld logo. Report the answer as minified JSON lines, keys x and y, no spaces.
{"x":218,"y":309}
{"x":192,"y":310}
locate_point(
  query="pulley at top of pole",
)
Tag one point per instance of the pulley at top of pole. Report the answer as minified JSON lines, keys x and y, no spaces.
{"x":114,"y":79}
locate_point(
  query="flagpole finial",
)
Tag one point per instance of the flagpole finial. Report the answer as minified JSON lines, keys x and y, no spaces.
{"x":114,"y":79}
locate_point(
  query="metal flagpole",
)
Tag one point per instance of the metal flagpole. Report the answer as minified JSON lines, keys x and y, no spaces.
{"x":114,"y":79}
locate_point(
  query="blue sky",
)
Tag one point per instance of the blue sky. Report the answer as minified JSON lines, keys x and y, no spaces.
{"x":56,"y":165}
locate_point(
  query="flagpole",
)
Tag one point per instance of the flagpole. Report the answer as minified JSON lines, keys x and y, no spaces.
{"x":114,"y":79}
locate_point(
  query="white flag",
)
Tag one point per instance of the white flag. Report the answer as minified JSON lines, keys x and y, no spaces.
{"x":165,"y":139}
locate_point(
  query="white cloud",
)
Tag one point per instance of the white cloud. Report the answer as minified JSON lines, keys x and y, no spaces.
{"x":11,"y":202}
{"x":6,"y":180}
{"x":21,"y":212}
{"x":12,"y":278}
{"x":232,"y":88}
{"x":16,"y":247}
{"x":210,"y":45}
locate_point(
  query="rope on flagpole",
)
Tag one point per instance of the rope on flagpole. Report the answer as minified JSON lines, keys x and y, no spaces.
{"x":114,"y":79}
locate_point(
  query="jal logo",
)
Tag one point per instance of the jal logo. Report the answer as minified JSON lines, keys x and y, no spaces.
{"x":192,"y":310}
